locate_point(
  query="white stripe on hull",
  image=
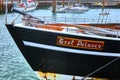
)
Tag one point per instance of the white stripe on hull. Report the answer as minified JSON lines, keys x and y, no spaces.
{"x":56,"y":48}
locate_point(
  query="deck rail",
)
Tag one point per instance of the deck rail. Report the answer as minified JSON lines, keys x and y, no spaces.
{"x":50,"y":19}
{"x":88,"y":30}
{"x":77,"y":20}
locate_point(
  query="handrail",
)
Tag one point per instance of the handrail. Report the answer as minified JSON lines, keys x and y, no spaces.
{"x":50,"y":19}
{"x":76,"y":20}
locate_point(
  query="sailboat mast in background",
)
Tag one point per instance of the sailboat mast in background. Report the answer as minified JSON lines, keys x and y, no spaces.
{"x":103,"y":15}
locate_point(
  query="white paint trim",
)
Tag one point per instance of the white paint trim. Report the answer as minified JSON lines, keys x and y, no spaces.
{"x":32,"y":44}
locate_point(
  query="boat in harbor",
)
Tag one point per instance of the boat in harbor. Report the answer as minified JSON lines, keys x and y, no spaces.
{"x":71,"y":7}
{"x":29,"y":5}
{"x":77,"y":8}
{"x":88,"y":50}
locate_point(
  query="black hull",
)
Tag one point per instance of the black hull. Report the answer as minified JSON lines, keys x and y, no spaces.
{"x":73,"y":64}
{"x":63,"y":62}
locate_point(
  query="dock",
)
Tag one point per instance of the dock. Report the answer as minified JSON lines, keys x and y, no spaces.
{"x":90,"y":4}
{"x":3,"y":6}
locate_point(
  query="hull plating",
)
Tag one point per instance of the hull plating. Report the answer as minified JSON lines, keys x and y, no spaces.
{"x":63,"y":62}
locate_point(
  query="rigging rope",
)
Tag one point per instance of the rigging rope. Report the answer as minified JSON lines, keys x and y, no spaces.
{"x":101,"y":68}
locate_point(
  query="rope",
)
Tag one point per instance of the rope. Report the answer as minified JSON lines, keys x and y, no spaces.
{"x":101,"y":68}
{"x":15,"y":19}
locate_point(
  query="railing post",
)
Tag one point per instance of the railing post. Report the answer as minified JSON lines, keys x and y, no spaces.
{"x":65,"y":19}
{"x":74,"y":20}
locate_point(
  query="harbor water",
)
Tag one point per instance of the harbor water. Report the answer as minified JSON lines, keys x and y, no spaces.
{"x":13,"y":66}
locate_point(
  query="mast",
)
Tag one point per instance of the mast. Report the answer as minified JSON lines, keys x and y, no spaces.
{"x":103,"y":4}
{"x":6,"y":11}
{"x":103,"y":15}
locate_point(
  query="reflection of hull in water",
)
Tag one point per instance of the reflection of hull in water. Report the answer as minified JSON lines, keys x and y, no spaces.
{"x":66,"y":49}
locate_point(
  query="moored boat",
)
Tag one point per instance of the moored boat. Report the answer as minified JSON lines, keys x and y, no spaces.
{"x":72,"y":9}
{"x":29,"y":5}
{"x":68,"y":48}
{"x":75,"y":8}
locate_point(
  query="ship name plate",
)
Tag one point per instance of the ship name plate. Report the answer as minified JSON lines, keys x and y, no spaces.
{"x":80,"y":43}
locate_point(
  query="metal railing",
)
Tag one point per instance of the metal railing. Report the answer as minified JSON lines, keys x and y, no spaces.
{"x":50,"y":19}
{"x":76,"y":20}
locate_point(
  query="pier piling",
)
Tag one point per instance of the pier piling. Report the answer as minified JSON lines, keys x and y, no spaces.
{"x":1,"y":6}
{"x":54,"y":6}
